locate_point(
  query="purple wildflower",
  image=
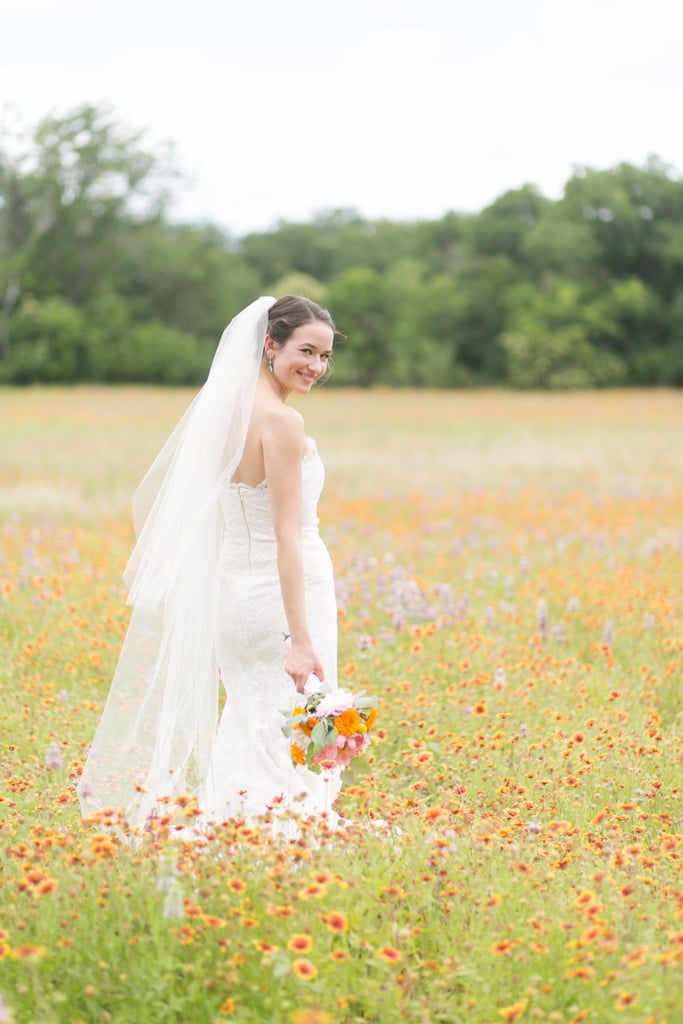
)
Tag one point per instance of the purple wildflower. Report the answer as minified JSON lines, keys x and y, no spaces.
{"x":53,"y":756}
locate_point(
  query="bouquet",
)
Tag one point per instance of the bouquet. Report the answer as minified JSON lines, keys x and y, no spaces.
{"x":331,"y":728}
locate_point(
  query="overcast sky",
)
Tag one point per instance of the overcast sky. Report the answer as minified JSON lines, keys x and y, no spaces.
{"x":399,"y":108}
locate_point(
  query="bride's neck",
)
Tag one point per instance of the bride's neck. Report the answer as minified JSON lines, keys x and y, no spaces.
{"x":270,"y":387}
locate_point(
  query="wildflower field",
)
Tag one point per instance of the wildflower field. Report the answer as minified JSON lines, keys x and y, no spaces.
{"x":510,"y":586}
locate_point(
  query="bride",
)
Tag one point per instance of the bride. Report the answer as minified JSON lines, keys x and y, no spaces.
{"x":228,"y":564}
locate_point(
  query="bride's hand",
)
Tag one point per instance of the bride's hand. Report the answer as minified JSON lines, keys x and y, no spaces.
{"x":302,"y":661}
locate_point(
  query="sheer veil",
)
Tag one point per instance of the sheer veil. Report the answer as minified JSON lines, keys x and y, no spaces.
{"x":158,"y":726}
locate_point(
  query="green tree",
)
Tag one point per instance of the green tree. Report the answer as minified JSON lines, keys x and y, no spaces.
{"x":424,"y":328}
{"x":631,"y":212}
{"x":440,"y":244}
{"x":479,"y":317}
{"x":557,"y":245}
{"x":88,"y":178}
{"x":66,"y":195}
{"x":500,"y":229}
{"x":660,"y":362}
{"x":49,"y":343}
{"x":361,"y":301}
{"x":182,"y":275}
{"x":550,"y":338}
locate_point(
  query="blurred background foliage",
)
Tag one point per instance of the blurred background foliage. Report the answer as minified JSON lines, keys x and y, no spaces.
{"x":98,"y":283}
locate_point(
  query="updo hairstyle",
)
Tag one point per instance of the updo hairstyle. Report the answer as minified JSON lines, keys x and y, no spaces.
{"x":290,"y":312}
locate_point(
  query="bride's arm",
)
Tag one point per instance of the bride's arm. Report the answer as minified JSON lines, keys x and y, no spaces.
{"x":283,"y":448}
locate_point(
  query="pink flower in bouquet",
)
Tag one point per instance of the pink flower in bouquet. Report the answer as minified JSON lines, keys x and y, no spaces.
{"x":353,"y":743}
{"x":357,"y":744}
{"x":332,"y":753}
{"x":334,"y":703}
{"x":342,"y":751}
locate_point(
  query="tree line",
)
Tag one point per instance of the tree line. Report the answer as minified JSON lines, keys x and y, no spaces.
{"x":97,"y":282}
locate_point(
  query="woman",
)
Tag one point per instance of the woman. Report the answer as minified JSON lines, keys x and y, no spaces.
{"x":228,"y":564}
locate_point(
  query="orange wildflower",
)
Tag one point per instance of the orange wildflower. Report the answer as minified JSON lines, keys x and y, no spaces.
{"x":336,"y":922}
{"x":310,"y":1016}
{"x":625,"y":999}
{"x":582,"y":973}
{"x":265,"y":947}
{"x":28,"y":952}
{"x":513,"y":1012}
{"x":390,"y":954}
{"x":636,"y":958}
{"x":45,"y":887}
{"x":503,"y":946}
{"x":589,"y":935}
{"x":185,"y":935}
{"x":306,"y":970}
{"x":312,"y":890}
{"x":300,"y":943}
{"x":285,"y":911}
{"x":432,"y":813}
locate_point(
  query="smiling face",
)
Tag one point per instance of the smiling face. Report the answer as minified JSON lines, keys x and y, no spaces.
{"x":303,"y":358}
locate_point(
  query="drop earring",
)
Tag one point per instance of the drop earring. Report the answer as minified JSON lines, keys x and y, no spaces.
{"x":270,"y":365}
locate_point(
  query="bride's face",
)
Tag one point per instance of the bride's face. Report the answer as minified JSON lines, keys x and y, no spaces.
{"x":303,"y":359}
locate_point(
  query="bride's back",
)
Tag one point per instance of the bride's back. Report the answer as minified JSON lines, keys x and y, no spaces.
{"x":268,"y":415}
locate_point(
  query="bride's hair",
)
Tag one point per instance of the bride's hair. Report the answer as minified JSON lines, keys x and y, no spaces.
{"x":290,"y":312}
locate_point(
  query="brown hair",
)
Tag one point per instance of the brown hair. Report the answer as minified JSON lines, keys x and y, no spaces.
{"x":290,"y":312}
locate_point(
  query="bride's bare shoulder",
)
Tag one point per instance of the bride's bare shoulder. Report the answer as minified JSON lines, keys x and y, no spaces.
{"x":283,"y":426}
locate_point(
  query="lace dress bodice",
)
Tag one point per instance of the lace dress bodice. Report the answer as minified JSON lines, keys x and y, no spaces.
{"x":249,"y":539}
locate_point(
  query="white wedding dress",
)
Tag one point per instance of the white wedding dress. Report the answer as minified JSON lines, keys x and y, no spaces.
{"x":251,"y":772}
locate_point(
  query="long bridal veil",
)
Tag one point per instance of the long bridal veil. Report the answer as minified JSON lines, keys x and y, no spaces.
{"x":158,"y":725}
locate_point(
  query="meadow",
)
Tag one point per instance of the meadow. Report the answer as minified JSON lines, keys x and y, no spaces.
{"x":509,"y":572}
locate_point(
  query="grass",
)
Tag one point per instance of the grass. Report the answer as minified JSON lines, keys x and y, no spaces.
{"x":509,"y":587}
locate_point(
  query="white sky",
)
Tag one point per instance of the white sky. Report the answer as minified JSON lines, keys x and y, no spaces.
{"x":399,"y":108}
